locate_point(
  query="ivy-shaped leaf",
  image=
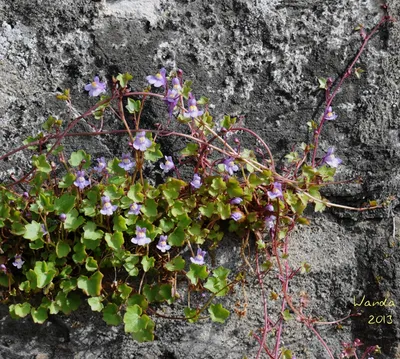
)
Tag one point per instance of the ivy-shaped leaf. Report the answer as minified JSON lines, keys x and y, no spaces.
{"x":218,"y":313}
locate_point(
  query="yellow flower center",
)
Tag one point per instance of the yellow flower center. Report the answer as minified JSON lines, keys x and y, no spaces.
{"x":329,"y":114}
{"x":159,"y":76}
{"x":94,"y":84}
{"x":141,"y":139}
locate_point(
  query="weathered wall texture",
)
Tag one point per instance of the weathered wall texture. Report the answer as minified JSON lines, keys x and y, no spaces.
{"x":255,"y":58}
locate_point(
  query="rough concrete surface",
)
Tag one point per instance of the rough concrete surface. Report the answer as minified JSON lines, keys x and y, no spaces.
{"x":255,"y":58}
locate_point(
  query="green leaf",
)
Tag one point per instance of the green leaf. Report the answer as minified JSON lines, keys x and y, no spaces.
{"x":45,"y":272}
{"x":67,"y":181}
{"x":218,"y":186}
{"x":218,"y":313}
{"x":191,"y":315}
{"x":228,"y":122}
{"x":190,"y":149}
{"x":149,"y":208}
{"x":119,"y":224}
{"x":111,"y":315}
{"x":132,"y":319}
{"x":203,"y":100}
{"x":153,"y":153}
{"x":123,"y":79}
{"x":322,"y":82}
{"x":91,"y":264}
{"x":187,"y":88}
{"x":197,"y":272}
{"x":77,"y":158}
{"x":233,"y":188}
{"x":41,"y":163}
{"x":114,"y":192}
{"x":96,"y":304}
{"x":68,"y":302}
{"x":115,"y":241}
{"x":73,"y":221}
{"x":207,"y":210}
{"x":91,"y":233}
{"x":64,"y":204}
{"x":39,"y":315}
{"x":33,"y":231}
{"x":286,"y":315}
{"x":177,"y":237}
{"x":125,"y":290}
{"x":224,"y":210}
{"x":138,"y":299}
{"x":62,"y":249}
{"x":130,"y":265}
{"x":147,"y":263}
{"x":91,"y":286}
{"x":176,"y":264}
{"x":21,"y":310}
{"x":133,"y":106}
{"x":135,"y":193}
{"x":80,"y":253}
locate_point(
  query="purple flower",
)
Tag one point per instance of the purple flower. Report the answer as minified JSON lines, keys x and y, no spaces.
{"x":81,"y":182}
{"x":270,"y":221}
{"x":126,"y":162}
{"x":269,"y":208}
{"x":43,"y":228}
{"x":276,"y":191}
{"x":330,"y":158}
{"x":18,"y":262}
{"x":329,"y":115}
{"x":230,"y":166}
{"x":140,"y":238}
{"x":135,"y":209}
{"x":236,"y":200}
{"x":168,"y":165}
{"x":96,"y":87}
{"x":25,"y":195}
{"x":237,"y":215}
{"x":3,"y":268}
{"x":141,"y":143}
{"x":108,"y":209}
{"x":193,"y":111}
{"x":62,"y":217}
{"x":101,"y":165}
{"x":159,"y":79}
{"x":176,"y":85}
{"x":162,"y":245}
{"x":199,"y":258}
{"x":196,"y":182}
{"x":171,"y":99}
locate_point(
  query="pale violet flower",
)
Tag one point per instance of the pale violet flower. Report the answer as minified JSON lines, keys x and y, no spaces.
{"x":3,"y":268}
{"x":101,"y":165}
{"x":276,"y":191}
{"x":236,"y":200}
{"x":193,"y":111}
{"x":237,"y":215}
{"x":162,"y":245}
{"x":330,"y":158}
{"x":96,"y":87}
{"x":81,"y":182}
{"x":270,"y":221}
{"x":199,"y":258}
{"x":168,"y":165}
{"x":134,"y":208}
{"x":108,"y":209}
{"x":18,"y":262}
{"x":140,"y":238}
{"x":230,"y":166}
{"x":159,"y":79}
{"x":126,"y":162}
{"x":196,"y":182}
{"x":141,"y":143}
{"x":329,"y":115}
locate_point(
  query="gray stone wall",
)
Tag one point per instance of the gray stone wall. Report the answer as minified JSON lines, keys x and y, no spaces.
{"x":255,"y":58}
